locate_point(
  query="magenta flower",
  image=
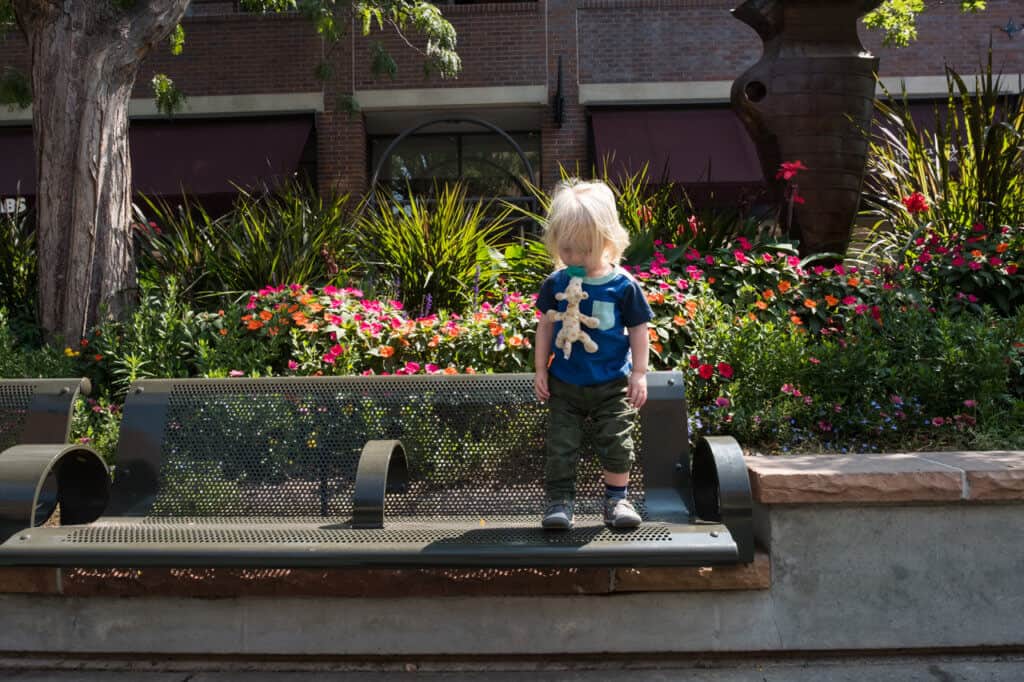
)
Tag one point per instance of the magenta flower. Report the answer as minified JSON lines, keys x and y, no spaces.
{"x":292,"y":365}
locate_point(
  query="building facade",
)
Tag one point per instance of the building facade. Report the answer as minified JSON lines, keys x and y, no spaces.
{"x":545,"y":83}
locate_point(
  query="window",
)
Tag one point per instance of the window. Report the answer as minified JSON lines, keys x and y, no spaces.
{"x":485,"y":162}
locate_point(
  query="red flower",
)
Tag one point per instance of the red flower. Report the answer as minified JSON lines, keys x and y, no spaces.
{"x":915,"y":203}
{"x":725,"y":370}
{"x":694,"y":362}
{"x":788,"y":169}
{"x":706,"y":371}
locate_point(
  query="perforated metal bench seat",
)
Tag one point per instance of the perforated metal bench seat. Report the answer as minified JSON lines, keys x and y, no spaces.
{"x":294,"y":472}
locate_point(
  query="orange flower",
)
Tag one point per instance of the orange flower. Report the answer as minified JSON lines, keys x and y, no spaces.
{"x":254,"y":325}
{"x":310,"y":327}
{"x":977,"y":253}
{"x":515,"y":340}
{"x":810,"y":303}
{"x":762,"y":305}
{"x":680,"y":320}
{"x":266,"y":315}
{"x":657,"y":347}
{"x":711,"y":280}
{"x":434,"y":341}
{"x":752,"y":317}
{"x":656,"y":297}
{"x":300,"y":318}
{"x":223,"y":332}
{"x":784,"y":286}
{"x":768,"y":293}
{"x":386,"y":351}
{"x":470,"y":370}
{"x":246,"y":318}
{"x":795,"y":319}
{"x":653,"y":334}
{"x":831,"y":300}
{"x":274,"y":330}
{"x":691,"y":307}
{"x":853,"y":281}
{"x":1002,"y":247}
{"x":315,"y":307}
{"x":450,"y":370}
{"x":495,"y":328}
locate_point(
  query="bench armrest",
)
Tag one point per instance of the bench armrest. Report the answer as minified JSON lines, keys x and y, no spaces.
{"x":721,"y":490}
{"x":34,"y":479}
{"x":382,"y":467}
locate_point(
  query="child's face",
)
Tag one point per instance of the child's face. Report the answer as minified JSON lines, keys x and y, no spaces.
{"x":592,"y":261}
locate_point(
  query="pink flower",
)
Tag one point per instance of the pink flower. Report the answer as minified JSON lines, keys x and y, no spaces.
{"x":974,"y":265}
{"x":236,"y":373}
{"x":789,"y":169}
{"x":957,"y":261}
{"x":412,"y":367}
{"x":849,"y":300}
{"x":431,"y":368}
{"x":722,"y":402}
{"x":970,"y":403}
{"x":292,"y":365}
{"x":938,"y":421}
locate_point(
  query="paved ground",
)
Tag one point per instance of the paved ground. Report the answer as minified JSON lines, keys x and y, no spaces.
{"x":972,"y":668}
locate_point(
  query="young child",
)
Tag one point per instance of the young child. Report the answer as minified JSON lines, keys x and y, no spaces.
{"x":608,"y":385}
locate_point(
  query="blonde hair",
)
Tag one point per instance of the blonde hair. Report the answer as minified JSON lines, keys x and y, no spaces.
{"x":583,"y":215}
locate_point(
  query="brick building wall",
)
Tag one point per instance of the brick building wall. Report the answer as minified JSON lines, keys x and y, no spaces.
{"x":516,"y":45}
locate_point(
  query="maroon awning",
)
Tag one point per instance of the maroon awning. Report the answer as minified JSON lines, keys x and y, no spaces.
{"x":693,"y":145}
{"x":17,"y":162}
{"x":203,"y":157}
{"x":207,"y":157}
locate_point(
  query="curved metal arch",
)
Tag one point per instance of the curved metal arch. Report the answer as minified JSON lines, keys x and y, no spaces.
{"x":450,"y":119}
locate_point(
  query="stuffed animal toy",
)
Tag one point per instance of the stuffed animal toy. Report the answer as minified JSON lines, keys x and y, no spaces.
{"x":572,"y":318}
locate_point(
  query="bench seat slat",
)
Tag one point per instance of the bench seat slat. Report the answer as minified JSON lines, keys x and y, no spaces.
{"x":215,"y":543}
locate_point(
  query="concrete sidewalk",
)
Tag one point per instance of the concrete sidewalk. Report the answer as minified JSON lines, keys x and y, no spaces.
{"x":965,"y":668}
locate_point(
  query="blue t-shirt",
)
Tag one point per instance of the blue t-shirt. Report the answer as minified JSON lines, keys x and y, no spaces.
{"x":618,"y":302}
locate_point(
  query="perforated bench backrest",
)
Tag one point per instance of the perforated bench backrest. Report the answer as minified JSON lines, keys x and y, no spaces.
{"x":290,"y":447}
{"x":36,"y":410}
{"x":14,"y":402}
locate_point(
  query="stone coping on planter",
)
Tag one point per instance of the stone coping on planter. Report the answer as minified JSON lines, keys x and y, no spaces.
{"x":222,"y":583}
{"x":891,"y":478}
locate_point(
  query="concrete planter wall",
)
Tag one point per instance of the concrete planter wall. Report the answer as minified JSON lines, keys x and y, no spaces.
{"x":872,"y":552}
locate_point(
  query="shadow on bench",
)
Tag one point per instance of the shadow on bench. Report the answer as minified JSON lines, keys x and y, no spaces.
{"x":388,"y":471}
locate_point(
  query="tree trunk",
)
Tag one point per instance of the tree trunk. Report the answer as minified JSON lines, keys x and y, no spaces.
{"x":84,"y":60}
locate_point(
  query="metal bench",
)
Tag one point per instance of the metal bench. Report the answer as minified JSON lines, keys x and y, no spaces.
{"x":397,"y":471}
{"x":38,"y":469}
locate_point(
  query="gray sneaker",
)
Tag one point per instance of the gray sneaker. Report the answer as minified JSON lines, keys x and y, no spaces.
{"x":558,"y":516}
{"x":620,"y":513}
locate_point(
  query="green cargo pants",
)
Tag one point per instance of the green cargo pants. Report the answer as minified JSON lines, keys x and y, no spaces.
{"x":613,"y":417}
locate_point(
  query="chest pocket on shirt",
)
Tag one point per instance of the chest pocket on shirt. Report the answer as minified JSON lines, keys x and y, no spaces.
{"x":604,"y":311}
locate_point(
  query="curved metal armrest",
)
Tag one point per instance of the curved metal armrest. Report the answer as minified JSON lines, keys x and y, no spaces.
{"x":721,"y":490}
{"x":34,"y":479}
{"x":382,"y":467}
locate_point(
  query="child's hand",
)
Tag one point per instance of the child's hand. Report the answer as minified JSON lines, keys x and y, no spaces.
{"x":540,"y":386}
{"x":636,"y":392}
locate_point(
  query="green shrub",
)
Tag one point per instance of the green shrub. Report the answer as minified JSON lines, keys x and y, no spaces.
{"x":18,"y":264}
{"x":288,"y":235}
{"x":969,"y":170}
{"x":434,"y":251}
